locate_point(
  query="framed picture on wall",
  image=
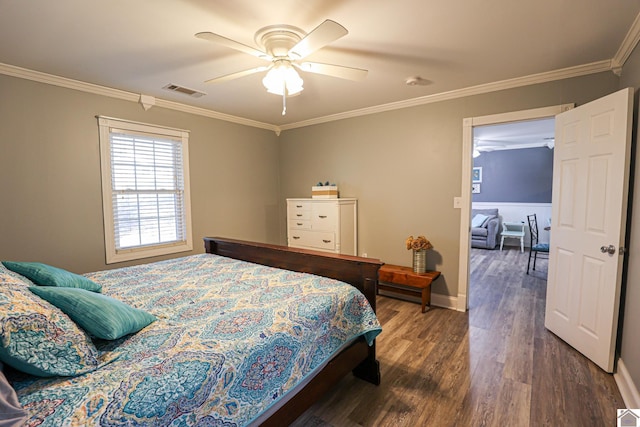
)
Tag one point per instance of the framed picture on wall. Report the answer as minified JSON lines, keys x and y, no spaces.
{"x":476,"y":174}
{"x":475,"y":188}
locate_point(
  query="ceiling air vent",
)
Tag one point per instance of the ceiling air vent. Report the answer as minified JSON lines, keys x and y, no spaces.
{"x":191,"y":92}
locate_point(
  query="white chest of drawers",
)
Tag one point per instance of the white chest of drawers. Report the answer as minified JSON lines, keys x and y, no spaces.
{"x":329,"y":225}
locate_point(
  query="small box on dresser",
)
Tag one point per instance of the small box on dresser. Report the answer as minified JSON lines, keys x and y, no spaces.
{"x":324,"y":192}
{"x":328,"y":225}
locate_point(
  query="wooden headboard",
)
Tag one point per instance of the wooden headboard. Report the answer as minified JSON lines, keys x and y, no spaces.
{"x":361,"y":273}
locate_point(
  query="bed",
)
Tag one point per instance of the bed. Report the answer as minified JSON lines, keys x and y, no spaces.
{"x":256,"y":343}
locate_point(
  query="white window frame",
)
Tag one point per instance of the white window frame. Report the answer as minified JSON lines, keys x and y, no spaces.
{"x":113,"y":255}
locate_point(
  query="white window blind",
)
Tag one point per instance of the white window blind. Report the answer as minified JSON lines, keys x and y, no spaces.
{"x":146,"y":193}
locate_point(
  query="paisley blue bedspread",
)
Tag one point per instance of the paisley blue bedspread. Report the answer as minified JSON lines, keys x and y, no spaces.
{"x":231,"y":339}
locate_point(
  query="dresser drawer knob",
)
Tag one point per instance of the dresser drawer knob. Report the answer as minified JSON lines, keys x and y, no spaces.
{"x":298,"y":214}
{"x":322,"y":216}
{"x":326,"y":241}
{"x":298,"y":206}
{"x":296,"y":237}
{"x":298,"y":223}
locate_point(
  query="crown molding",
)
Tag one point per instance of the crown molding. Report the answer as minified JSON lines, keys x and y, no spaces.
{"x":37,"y":76}
{"x":215,"y":115}
{"x":564,"y":73}
{"x":626,"y":47}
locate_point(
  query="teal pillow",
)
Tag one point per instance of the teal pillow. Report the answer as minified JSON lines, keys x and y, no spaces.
{"x":100,"y":315}
{"x":46,"y":275}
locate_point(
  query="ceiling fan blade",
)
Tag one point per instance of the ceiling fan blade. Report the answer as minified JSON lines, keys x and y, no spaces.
{"x":490,"y":143}
{"x":339,"y":71}
{"x":321,"y":36}
{"x":221,"y":40}
{"x":237,"y":75}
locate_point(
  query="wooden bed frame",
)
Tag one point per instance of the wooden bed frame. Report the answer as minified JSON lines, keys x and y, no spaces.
{"x":361,"y":273}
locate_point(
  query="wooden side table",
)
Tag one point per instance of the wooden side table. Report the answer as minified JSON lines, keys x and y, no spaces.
{"x":404,"y":281}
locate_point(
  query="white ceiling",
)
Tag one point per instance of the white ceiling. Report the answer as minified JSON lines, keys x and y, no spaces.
{"x":140,"y":46}
{"x":515,"y":135}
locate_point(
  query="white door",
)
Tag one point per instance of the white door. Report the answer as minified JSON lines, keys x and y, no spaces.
{"x":590,"y":187}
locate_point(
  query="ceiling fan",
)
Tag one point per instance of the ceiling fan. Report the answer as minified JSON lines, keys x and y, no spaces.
{"x":285,"y":46}
{"x":488,"y":145}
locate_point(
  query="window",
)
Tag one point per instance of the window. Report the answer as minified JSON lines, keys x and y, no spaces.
{"x":145,"y":190}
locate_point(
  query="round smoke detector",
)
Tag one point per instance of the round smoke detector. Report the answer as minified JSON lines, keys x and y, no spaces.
{"x":416,"y":81}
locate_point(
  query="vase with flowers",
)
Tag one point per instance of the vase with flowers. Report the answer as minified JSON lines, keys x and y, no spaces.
{"x":419,"y":245}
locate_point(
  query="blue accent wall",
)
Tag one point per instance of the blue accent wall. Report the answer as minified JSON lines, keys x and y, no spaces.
{"x":517,"y":176}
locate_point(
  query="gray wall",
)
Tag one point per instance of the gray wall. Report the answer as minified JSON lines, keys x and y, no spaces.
{"x":629,"y":339}
{"x":405,"y":167}
{"x":518,"y":176}
{"x":50,"y":190}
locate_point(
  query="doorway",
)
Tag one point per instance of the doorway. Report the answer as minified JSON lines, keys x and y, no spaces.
{"x":590,"y":193}
{"x":514,"y":164}
{"x":466,"y":200}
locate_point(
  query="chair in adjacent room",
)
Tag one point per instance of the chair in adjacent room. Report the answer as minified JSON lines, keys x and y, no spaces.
{"x":536,"y":247}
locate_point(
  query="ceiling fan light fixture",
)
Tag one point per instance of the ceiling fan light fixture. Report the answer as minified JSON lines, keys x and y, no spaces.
{"x":283,"y":79}
{"x":284,"y":45}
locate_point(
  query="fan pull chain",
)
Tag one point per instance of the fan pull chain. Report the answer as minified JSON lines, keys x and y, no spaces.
{"x":284,"y":97}
{"x":284,"y":104}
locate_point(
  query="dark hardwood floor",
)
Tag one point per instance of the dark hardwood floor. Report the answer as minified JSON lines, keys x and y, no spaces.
{"x":495,"y":365}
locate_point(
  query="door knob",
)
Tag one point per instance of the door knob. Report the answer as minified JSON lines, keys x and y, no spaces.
{"x":608,"y":249}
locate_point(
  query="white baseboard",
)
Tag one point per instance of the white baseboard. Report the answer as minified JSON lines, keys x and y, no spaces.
{"x":461,"y":303}
{"x":445,"y":301}
{"x":628,"y":389}
{"x":437,"y":300}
